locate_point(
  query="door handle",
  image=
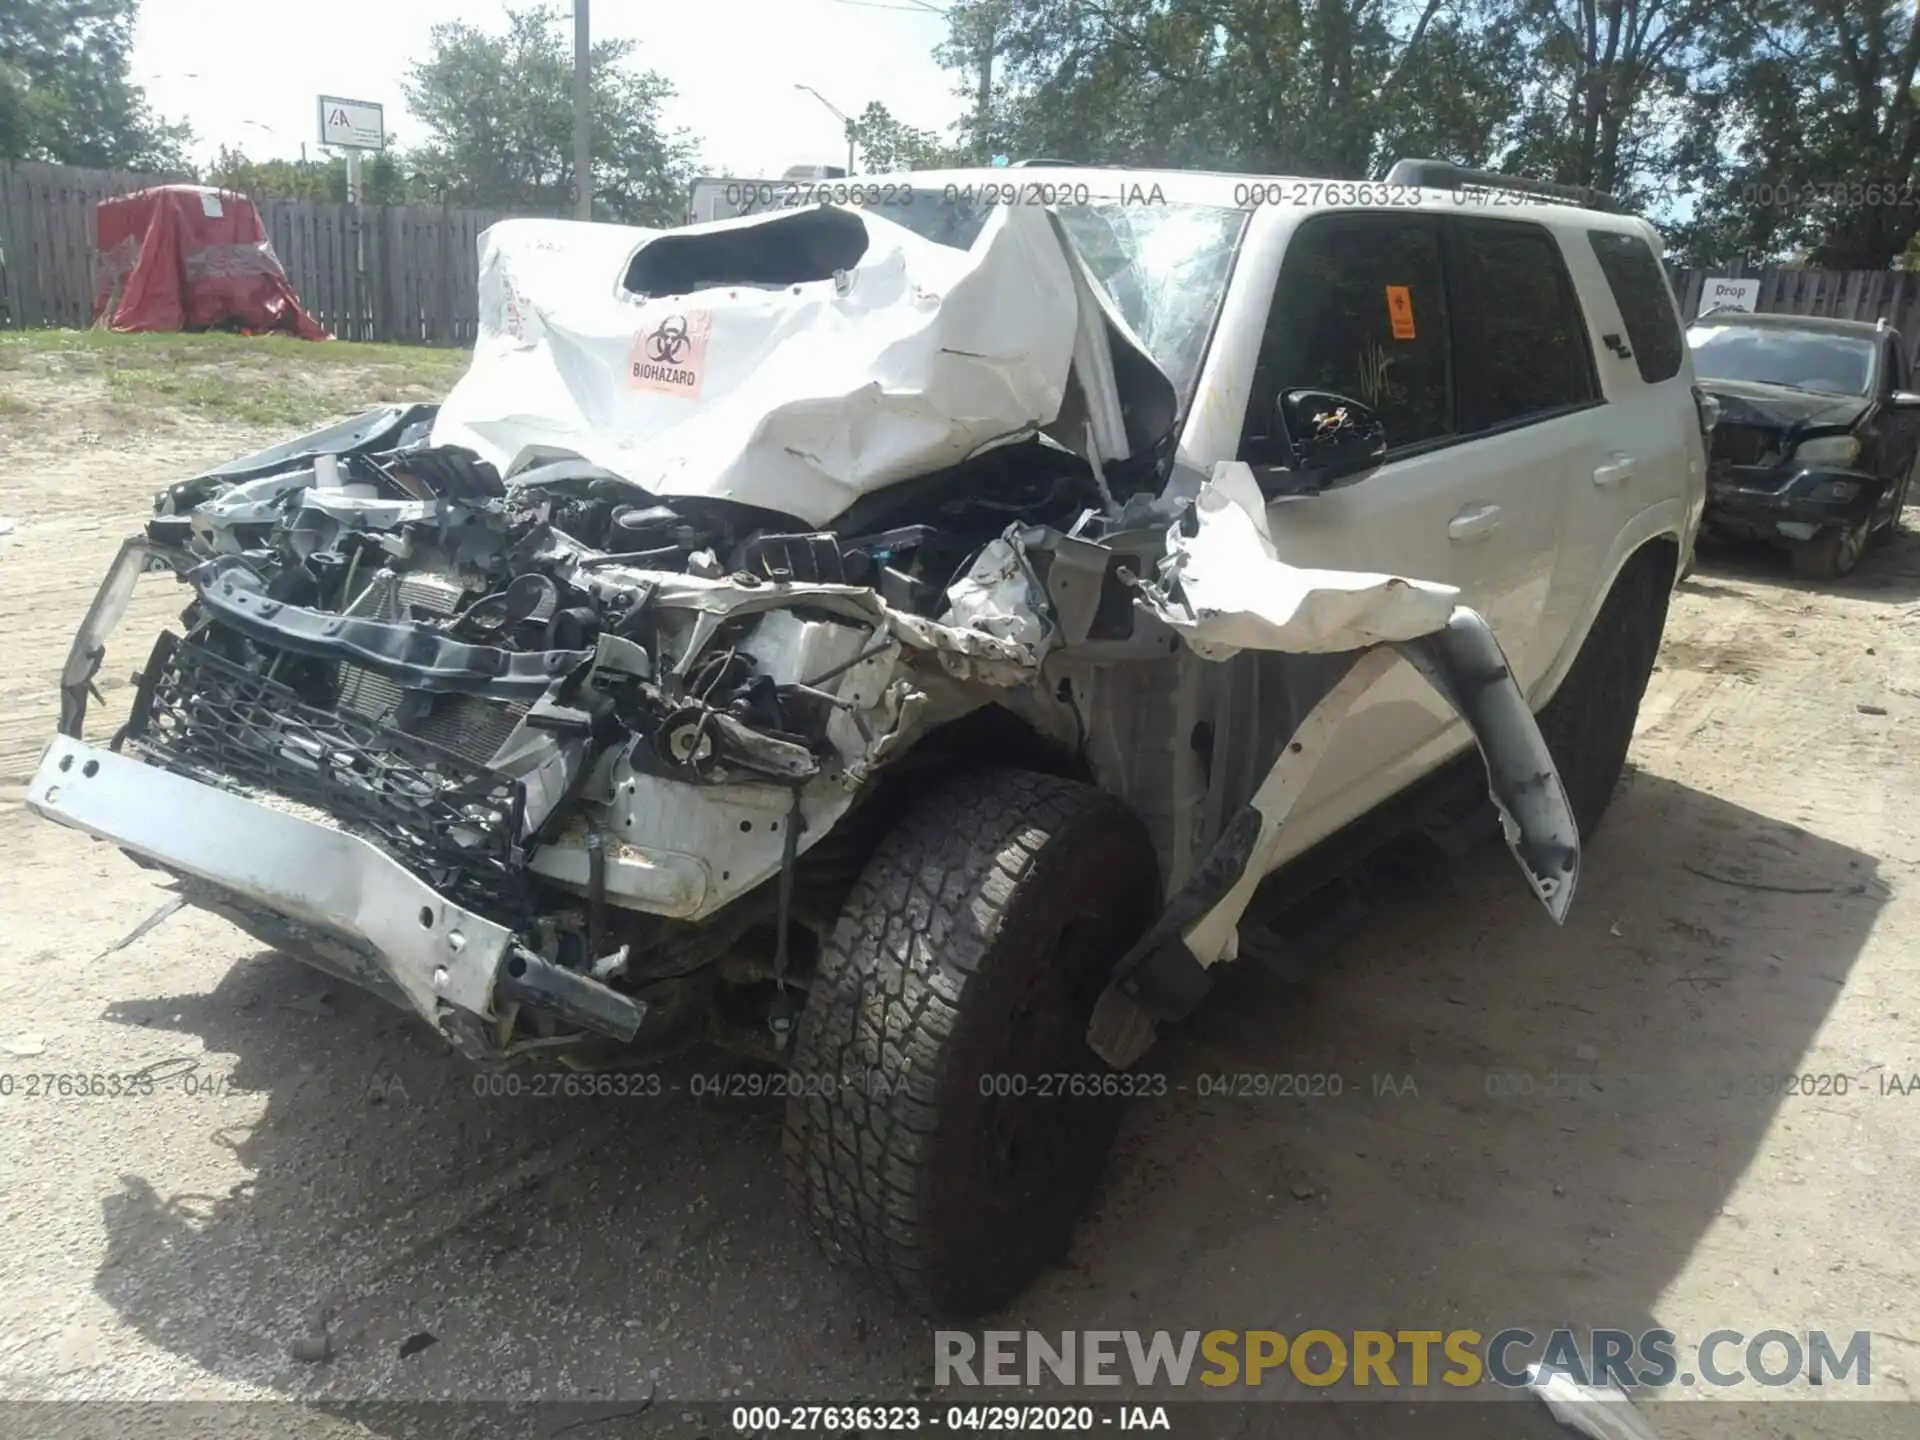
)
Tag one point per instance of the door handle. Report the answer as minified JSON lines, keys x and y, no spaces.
{"x":1617,"y":469}
{"x":1476,"y":522}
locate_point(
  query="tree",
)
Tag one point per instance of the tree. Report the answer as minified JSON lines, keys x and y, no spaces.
{"x":1804,"y":136}
{"x":887,"y":146}
{"x":65,"y":94}
{"x":498,"y":112}
{"x":1322,"y":87}
{"x":977,"y":34}
{"x":382,"y":180}
{"x":1608,"y":75}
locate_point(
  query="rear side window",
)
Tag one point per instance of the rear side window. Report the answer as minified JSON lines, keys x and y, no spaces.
{"x":1361,"y":310}
{"x":1640,"y":289}
{"x":1520,"y":345}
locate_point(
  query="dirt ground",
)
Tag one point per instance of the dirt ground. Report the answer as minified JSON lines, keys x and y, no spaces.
{"x":1750,"y":909}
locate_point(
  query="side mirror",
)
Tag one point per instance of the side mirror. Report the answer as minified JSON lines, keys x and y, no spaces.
{"x":1905,"y":400}
{"x":1328,"y":436}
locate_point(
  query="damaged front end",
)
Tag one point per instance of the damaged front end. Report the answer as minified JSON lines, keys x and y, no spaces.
{"x":563,"y":718}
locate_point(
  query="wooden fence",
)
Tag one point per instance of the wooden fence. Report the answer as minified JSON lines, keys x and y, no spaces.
{"x":412,"y":277}
{"x":1892,"y":295}
{"x":421,"y":267}
{"x":414,"y":274}
{"x":47,"y":240}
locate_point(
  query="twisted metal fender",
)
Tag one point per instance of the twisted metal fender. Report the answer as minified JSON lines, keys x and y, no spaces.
{"x":1166,"y":973}
{"x":1464,"y":662}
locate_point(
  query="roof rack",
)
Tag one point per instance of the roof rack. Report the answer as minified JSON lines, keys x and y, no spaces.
{"x":1442,"y":175}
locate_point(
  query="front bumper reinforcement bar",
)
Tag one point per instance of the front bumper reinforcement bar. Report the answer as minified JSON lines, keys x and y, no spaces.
{"x":448,"y":963}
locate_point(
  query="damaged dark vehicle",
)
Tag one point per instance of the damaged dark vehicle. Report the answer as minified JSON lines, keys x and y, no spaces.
{"x":798,"y":633}
{"x":1817,"y":435}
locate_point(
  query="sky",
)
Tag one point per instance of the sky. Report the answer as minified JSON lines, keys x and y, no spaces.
{"x":247,"y":73}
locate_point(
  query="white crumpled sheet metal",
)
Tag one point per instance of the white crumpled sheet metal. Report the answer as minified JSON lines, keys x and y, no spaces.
{"x":799,"y":399}
{"x":1000,"y":596}
{"x":1225,"y":589}
{"x":1603,"y":1412}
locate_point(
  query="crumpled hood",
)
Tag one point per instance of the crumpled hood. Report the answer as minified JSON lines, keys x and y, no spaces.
{"x":1745,"y":402}
{"x":794,"y":361}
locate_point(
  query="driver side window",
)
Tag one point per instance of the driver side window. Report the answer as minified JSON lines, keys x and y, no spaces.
{"x":1360,"y":309}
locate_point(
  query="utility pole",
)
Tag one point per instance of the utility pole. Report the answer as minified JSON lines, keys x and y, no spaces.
{"x":988,"y":23}
{"x":362,"y":328}
{"x":852,"y":126}
{"x":983,"y":99}
{"x":582,"y":118}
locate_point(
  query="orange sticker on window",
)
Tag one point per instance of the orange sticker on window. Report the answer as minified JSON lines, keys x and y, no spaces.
{"x":1400,"y":311}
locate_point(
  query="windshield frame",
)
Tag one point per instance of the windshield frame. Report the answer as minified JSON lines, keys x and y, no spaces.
{"x":1186,"y":384}
{"x":1704,"y":329}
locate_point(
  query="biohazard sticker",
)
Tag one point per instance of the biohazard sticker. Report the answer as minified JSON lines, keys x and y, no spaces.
{"x":670,"y":353}
{"x":1400,"y":311}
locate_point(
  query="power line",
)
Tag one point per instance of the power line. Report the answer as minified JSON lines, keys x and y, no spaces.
{"x":918,"y":7}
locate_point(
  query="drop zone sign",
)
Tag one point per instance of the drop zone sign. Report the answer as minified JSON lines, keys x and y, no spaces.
{"x":1729,"y":294}
{"x":351,"y":124}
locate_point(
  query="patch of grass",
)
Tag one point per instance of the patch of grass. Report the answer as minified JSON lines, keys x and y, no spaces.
{"x":251,"y":379}
{"x":218,"y":395}
{"x":108,"y":347}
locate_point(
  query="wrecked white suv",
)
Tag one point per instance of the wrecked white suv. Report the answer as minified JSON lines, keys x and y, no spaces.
{"x":896,"y":638}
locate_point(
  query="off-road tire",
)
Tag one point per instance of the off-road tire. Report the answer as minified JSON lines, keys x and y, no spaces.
{"x":1834,"y":553}
{"x":1588,"y":724}
{"x":965,"y":964}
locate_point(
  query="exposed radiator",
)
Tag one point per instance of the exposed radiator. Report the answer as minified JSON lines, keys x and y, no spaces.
{"x":389,"y":596}
{"x":469,"y":726}
{"x":466,"y":725}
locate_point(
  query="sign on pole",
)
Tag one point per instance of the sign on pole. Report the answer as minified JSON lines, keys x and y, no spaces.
{"x":1720,"y":293}
{"x":351,"y":124}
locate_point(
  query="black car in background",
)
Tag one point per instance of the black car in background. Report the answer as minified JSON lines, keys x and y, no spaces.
{"x":1817,"y":435}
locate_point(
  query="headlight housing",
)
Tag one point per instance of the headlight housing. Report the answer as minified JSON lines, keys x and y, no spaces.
{"x":1827,"y":450}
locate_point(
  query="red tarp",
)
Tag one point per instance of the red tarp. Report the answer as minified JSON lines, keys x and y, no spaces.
{"x":184,"y":257}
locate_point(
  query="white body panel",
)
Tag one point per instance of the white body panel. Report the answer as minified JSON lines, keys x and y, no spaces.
{"x":1575,"y":495}
{"x":799,"y":398}
{"x":1528,"y":525}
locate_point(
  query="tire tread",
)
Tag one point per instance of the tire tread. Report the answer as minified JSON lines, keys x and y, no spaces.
{"x":1588,"y":725}
{"x":894,"y":980}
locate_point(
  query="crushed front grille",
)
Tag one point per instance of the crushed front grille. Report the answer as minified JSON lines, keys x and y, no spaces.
{"x":449,"y":821}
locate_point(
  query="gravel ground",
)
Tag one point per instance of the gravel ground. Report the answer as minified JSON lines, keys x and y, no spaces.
{"x":314,"y":1161}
